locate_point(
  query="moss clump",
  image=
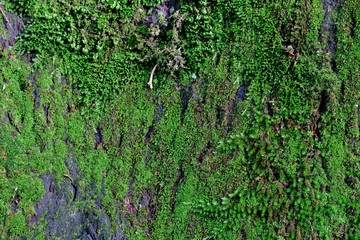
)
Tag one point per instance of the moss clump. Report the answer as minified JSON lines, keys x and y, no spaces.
{"x":251,"y":130}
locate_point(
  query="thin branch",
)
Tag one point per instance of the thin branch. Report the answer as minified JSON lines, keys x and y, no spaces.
{"x":151,"y":77}
{"x":68,"y":176}
{"x":4,"y":15}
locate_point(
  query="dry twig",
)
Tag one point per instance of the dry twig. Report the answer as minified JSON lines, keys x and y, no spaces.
{"x":68,"y":176}
{"x":4,"y":15}
{"x":151,"y":77}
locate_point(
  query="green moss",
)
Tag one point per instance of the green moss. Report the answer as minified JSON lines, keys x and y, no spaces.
{"x":280,"y":163}
{"x":15,"y":223}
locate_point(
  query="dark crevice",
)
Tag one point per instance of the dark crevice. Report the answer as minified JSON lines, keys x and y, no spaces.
{"x":204,"y":152}
{"x":36,"y":98}
{"x":42,"y":145}
{"x":69,"y":108}
{"x":75,"y":190}
{"x":32,"y":56}
{"x":219,"y":116}
{"x":74,"y":186}
{"x":91,"y":228}
{"x":328,"y":32}
{"x":36,"y":92}
{"x":270,"y":110}
{"x":46,"y":113}
{"x":12,"y":123}
{"x":333,"y":65}
{"x":283,"y":33}
{"x":352,"y":26}
{"x":74,"y":174}
{"x":241,"y":93}
{"x":201,"y":156}
{"x":159,"y":112}
{"x":98,"y":138}
{"x":147,"y":202}
{"x":185,"y":95}
{"x":351,"y":181}
{"x":342,"y":90}
{"x":64,"y":80}
{"x":121,"y":139}
{"x":321,"y":110}
{"x":15,"y":203}
{"x":230,"y":111}
{"x":324,"y":99}
{"x":352,"y":30}
{"x":148,"y":134}
{"x":180,"y":178}
{"x":276,"y":173}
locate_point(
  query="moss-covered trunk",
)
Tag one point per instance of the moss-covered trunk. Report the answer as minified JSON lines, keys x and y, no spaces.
{"x":251,"y":130}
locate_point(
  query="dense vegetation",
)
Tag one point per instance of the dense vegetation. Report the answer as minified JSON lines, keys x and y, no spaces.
{"x":251,"y":130}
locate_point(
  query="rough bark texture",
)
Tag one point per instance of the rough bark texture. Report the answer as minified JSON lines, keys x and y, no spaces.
{"x":138,"y":167}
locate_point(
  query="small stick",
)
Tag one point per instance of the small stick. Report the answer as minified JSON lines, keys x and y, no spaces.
{"x":151,"y":77}
{"x":67,"y":176}
{"x":4,"y":15}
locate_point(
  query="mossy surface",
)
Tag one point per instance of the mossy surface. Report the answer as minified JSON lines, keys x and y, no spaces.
{"x":251,"y":130}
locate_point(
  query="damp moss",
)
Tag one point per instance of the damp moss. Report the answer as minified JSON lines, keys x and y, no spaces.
{"x":255,"y":136}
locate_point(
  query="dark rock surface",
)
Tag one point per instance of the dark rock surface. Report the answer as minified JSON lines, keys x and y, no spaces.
{"x":68,"y":211}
